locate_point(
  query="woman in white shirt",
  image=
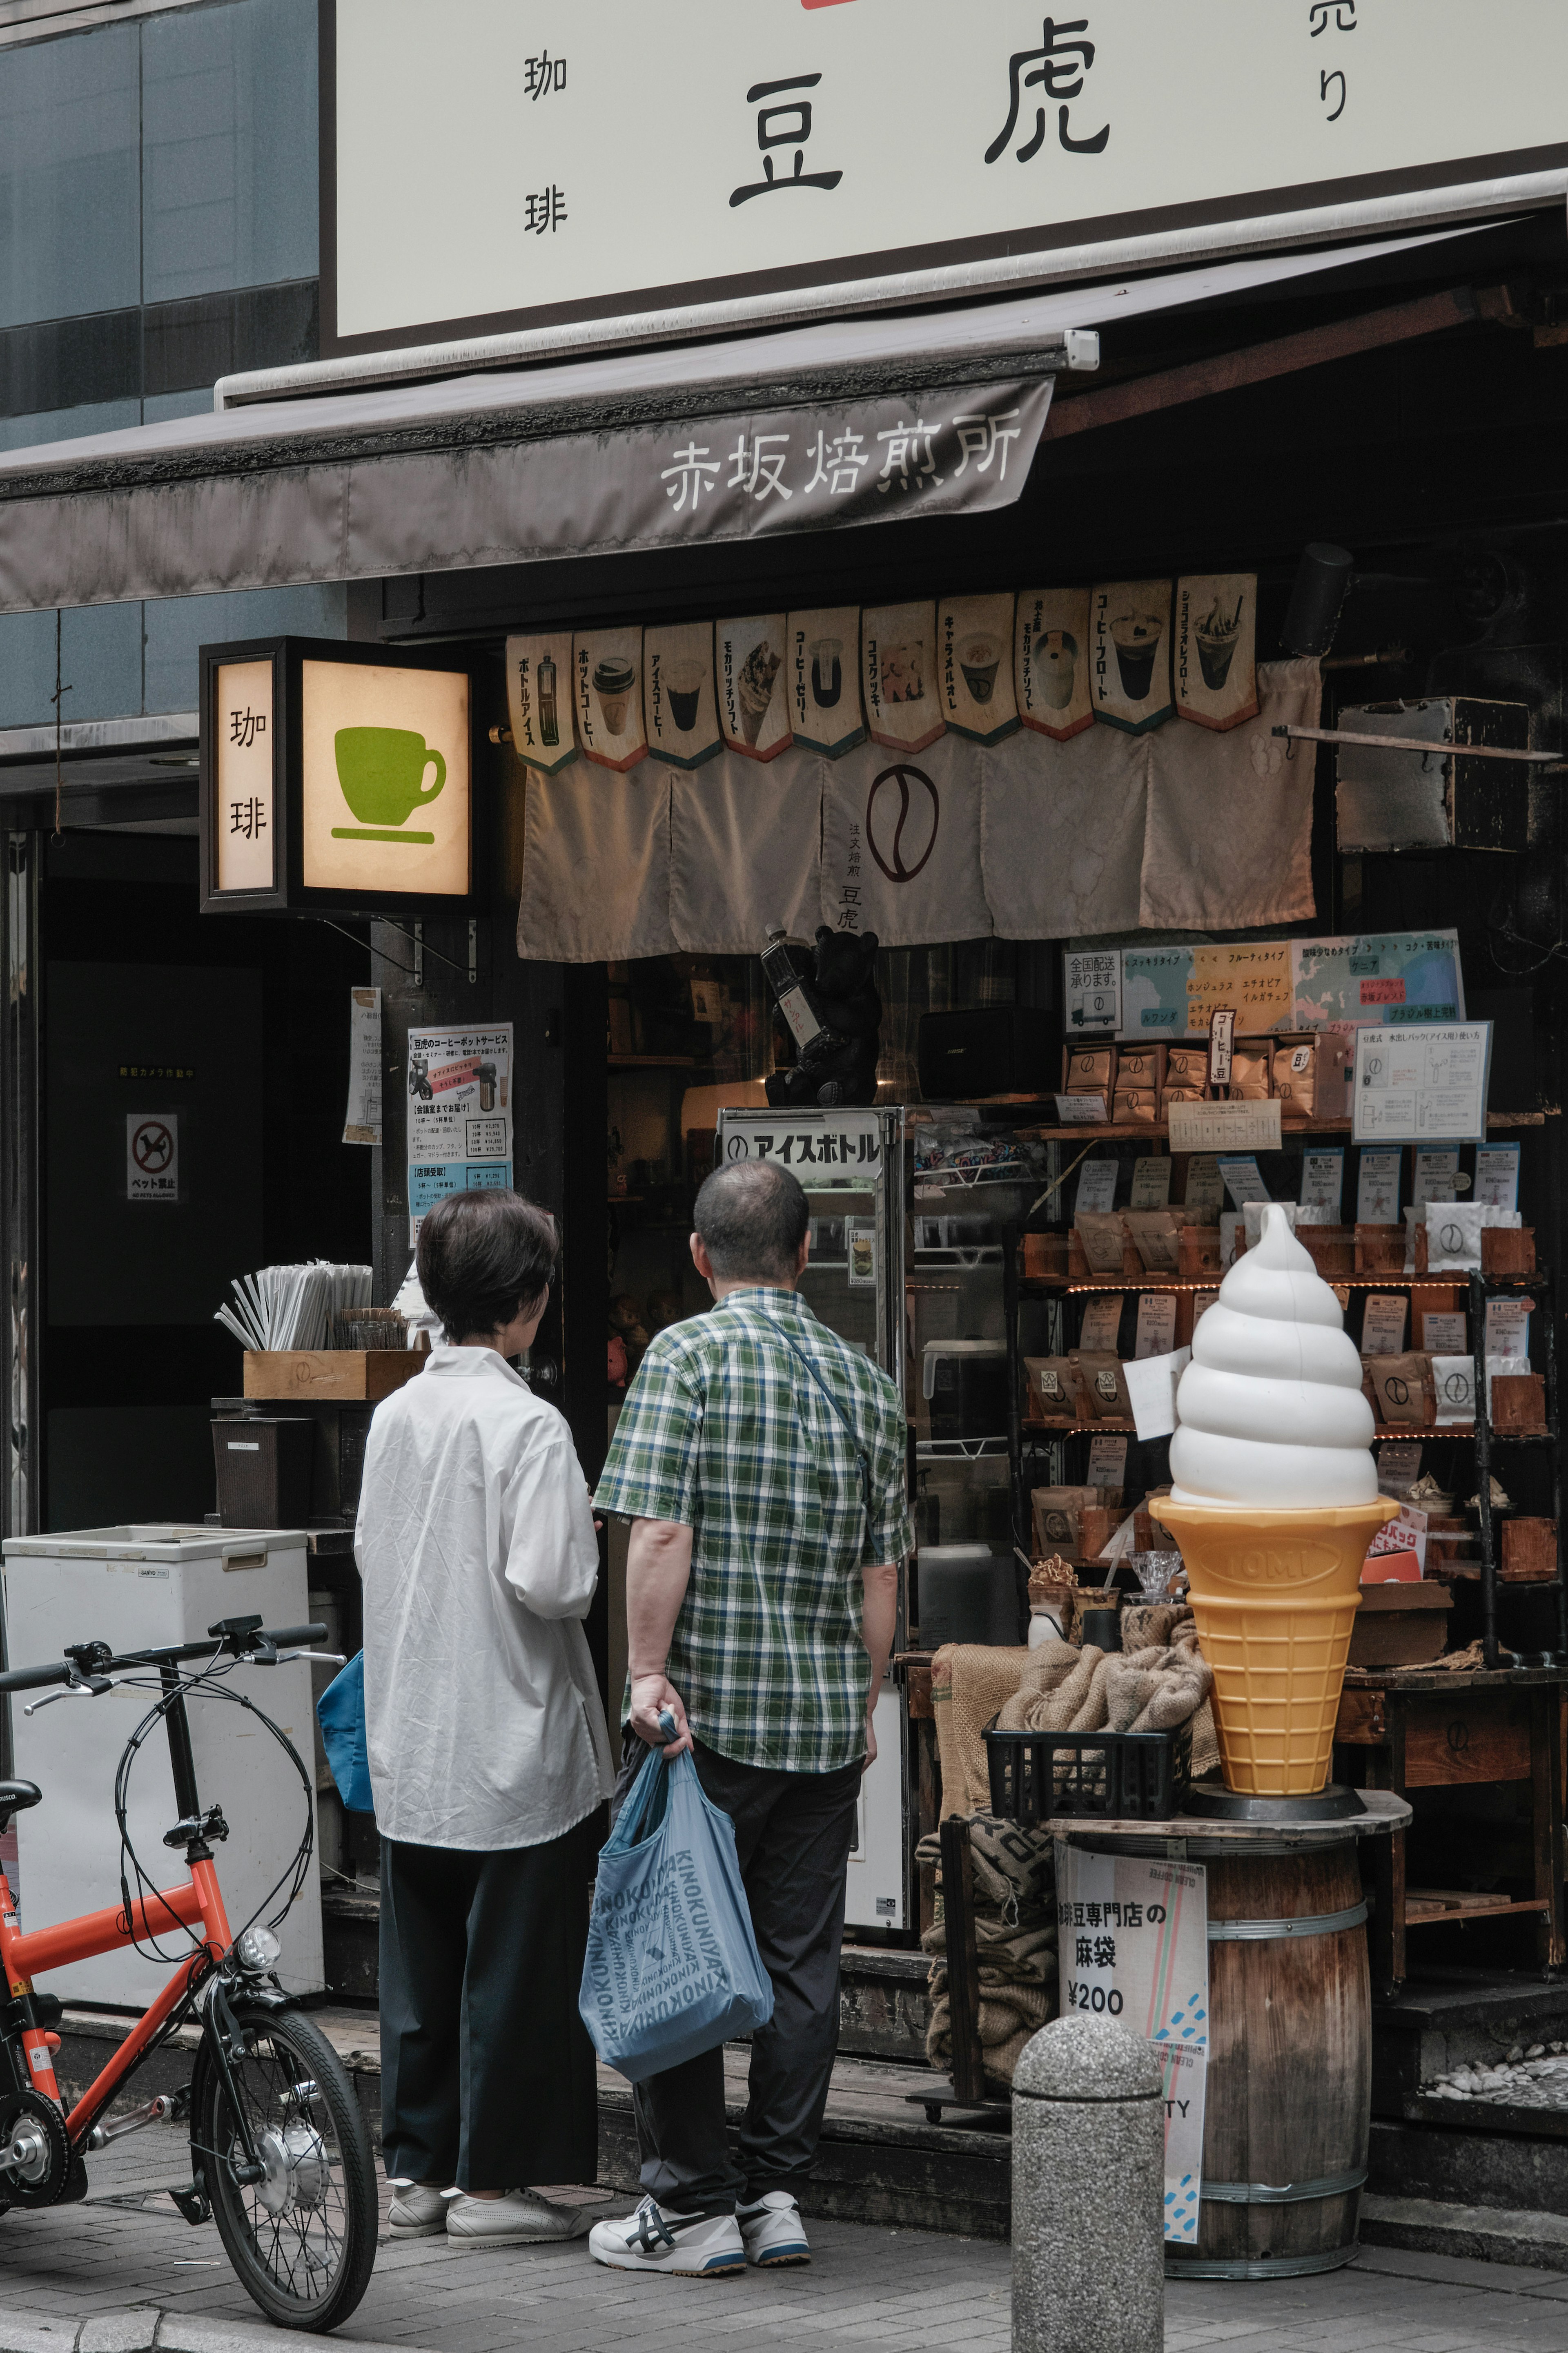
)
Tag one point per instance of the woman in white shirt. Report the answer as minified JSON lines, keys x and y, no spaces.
{"x":488,"y":1755}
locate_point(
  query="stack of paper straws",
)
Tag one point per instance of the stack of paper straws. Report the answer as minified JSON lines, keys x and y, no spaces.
{"x":294,"y":1306}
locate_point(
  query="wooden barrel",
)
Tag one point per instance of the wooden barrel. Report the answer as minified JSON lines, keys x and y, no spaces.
{"x":1288,"y":2094}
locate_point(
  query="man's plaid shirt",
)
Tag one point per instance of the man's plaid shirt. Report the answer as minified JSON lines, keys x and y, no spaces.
{"x":724,"y":1431}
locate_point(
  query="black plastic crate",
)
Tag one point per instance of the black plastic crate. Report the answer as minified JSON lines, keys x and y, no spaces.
{"x":1130,"y":1776}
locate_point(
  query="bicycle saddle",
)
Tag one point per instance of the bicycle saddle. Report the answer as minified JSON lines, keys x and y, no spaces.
{"x":16,"y":1797}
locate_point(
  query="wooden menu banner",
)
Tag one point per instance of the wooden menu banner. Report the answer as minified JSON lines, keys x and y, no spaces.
{"x":975,"y":667}
{"x":607,"y":672}
{"x":1216,"y":644}
{"x":898,"y":670}
{"x":822,"y":685}
{"x":1051,"y":671}
{"x":1130,"y":642}
{"x":539,"y":701}
{"x":753,"y":705}
{"x":681,"y":713}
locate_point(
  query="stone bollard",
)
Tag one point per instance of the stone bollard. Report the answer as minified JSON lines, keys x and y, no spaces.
{"x":1089,"y":2193}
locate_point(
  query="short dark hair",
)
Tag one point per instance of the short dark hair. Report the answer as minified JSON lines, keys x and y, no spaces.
{"x":753,"y":1217}
{"x":482,"y":1256}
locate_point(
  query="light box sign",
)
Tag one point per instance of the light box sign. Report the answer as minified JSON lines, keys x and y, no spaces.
{"x":674,"y":160}
{"x":334,"y":777}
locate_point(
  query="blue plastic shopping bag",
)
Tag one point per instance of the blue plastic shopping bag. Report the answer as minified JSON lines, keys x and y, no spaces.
{"x":340,"y":1711}
{"x":672,"y":1967}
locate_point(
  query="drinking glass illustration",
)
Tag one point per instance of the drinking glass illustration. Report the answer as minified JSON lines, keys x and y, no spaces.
{"x":381,"y":772}
{"x":862,"y":1265}
{"x":549,"y":719}
{"x":684,"y":679}
{"x":903,"y":672}
{"x":1217,"y":637}
{"x":1136,"y":637}
{"x":827,"y":672}
{"x":754,"y":687}
{"x":614,"y":679}
{"x":1056,"y":667}
{"x":978,"y":660}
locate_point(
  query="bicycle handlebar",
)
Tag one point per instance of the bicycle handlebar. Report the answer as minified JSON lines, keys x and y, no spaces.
{"x":279,"y":1638}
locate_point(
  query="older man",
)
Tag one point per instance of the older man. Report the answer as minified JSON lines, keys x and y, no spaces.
{"x":761,"y":1461}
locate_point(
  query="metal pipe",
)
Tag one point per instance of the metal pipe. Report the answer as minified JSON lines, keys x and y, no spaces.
{"x":1412,"y":744}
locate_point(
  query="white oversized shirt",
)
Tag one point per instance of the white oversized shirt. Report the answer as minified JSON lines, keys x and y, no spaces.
{"x":476,"y":1548}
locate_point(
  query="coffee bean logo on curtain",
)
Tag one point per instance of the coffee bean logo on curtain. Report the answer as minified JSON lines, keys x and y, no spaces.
{"x":903,"y":816}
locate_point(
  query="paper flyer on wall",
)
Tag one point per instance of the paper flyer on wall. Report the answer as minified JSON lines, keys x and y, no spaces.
{"x":362,"y":1121}
{"x":1132,"y":1945}
{"x":459,"y":1115}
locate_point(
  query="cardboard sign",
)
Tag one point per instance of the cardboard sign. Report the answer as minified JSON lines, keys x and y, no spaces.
{"x":753,"y":700}
{"x":680,"y":712}
{"x":898,"y":676}
{"x":1130,"y":640}
{"x":606,"y":669}
{"x":822,"y":679}
{"x":1051,"y":674}
{"x":975,"y":667}
{"x":539,"y":701}
{"x":1215,"y":656}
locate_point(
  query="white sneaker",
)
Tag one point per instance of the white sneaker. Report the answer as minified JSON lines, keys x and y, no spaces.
{"x":772,"y":2230}
{"x":695,"y":2246}
{"x":522,"y":2218}
{"x":418,"y":2211}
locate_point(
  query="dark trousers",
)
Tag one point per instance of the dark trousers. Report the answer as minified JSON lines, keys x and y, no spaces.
{"x":487,"y":2071}
{"x":793,"y":1832}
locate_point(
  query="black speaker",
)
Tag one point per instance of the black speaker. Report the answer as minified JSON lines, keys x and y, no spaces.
{"x":996,"y":1050}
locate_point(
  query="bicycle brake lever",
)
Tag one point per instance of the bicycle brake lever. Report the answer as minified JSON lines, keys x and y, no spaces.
{"x":284,"y":1658}
{"x":92,"y":1687}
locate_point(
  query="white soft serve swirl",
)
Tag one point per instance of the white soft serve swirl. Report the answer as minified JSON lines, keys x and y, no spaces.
{"x":1271,"y":1415}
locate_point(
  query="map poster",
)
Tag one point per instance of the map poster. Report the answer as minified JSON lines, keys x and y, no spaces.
{"x":1132,"y":1945}
{"x":459,"y":1115}
{"x":1377,"y":976}
{"x":1252,"y":975}
{"x":1155,"y":983}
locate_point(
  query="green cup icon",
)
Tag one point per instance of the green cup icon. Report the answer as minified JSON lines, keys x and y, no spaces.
{"x":381,"y":772}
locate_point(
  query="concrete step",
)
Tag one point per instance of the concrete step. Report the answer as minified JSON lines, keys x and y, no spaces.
{"x":1470,"y":2159}
{"x":1492,"y":2234}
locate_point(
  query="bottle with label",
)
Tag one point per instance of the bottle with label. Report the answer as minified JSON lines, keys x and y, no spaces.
{"x":778,"y":965}
{"x":549,"y":723}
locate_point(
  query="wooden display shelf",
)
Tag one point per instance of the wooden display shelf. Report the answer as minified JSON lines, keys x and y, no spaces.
{"x":1145,"y":1131}
{"x":1425,"y":1904}
{"x":1213,"y":1281}
{"x":1415,"y":1431}
{"x":332,"y":1376}
{"x":650,"y":1061}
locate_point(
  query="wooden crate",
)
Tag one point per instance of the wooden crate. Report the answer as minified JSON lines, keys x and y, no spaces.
{"x":1529,"y":1550}
{"x":1331,"y":1248}
{"x":330,"y":1375}
{"x":1507,"y":1249}
{"x":1379,"y":1249}
{"x":1400,"y":1625}
{"x":1046,"y":1257}
{"x":1519,"y":1404}
{"x":1199,"y":1248}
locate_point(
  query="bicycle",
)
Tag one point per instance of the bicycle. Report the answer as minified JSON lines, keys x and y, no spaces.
{"x":280,"y":2157}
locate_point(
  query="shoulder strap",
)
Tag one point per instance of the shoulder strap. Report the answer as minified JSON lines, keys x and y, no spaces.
{"x":861,"y":1457}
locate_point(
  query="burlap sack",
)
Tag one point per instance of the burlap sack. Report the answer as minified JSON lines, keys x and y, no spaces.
{"x":970,"y":1683}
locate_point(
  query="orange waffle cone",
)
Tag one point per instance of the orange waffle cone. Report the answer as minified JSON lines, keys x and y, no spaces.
{"x":1275,"y":1594}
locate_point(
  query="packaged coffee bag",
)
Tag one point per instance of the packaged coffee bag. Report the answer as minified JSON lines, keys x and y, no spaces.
{"x":1103,"y":1236}
{"x":1105,"y":1387}
{"x":1249,"y":1070}
{"x":1055,"y":1389}
{"x":1186,"y":1074}
{"x":1089,"y":1070}
{"x":1400,"y":1387}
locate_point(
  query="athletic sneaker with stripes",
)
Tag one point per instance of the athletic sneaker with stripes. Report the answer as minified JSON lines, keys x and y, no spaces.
{"x":772,"y":2230}
{"x":691,"y":2246}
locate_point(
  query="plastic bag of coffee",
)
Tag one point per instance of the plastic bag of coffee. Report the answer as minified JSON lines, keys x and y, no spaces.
{"x":1056,"y":1389}
{"x":1103,"y":1236}
{"x":1399,"y":1388}
{"x":1157,"y":1233}
{"x":1105,"y":1387}
{"x":1058,"y":1514}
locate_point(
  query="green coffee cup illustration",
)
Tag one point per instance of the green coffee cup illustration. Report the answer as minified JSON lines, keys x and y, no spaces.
{"x":381,"y":772}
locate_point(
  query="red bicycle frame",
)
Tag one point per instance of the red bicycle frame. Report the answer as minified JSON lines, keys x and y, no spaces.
{"x":198,"y":1904}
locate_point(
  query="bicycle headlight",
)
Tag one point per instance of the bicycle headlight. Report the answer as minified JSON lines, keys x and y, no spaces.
{"x":257,"y":1951}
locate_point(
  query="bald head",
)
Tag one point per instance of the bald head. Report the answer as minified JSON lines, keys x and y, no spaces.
{"x":751,"y":1218}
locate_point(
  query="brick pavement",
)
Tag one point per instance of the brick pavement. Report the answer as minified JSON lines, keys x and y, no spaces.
{"x":867,"y":2287}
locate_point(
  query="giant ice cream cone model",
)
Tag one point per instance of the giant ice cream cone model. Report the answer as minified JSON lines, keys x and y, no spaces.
{"x":1274,"y":1503}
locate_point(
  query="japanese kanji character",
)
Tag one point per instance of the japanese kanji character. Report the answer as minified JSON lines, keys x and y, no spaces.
{"x":838,"y":462}
{"x":1049,"y":68}
{"x":1083,"y":1954}
{"x":1343,"y":12}
{"x":796,"y":114}
{"x":1105,"y":1952}
{"x":981,"y":437}
{"x":546,"y":210}
{"x":903,"y":447}
{"x":757,"y":461}
{"x":690,"y":469}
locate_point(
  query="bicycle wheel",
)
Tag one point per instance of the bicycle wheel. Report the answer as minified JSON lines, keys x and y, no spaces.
{"x":303,"y":2240}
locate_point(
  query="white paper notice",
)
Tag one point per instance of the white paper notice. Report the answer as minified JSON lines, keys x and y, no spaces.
{"x":1243,"y":1180}
{"x":1323,"y":1181}
{"x":1156,"y":1323}
{"x":1435,"y":1174}
{"x":1205,"y":1186}
{"x":1415,"y":1084}
{"x":1096,"y":1186}
{"x":362,"y":1122}
{"x":459,"y":1115}
{"x":1093,"y":989}
{"x":1107,"y":1461}
{"x":1151,"y":1391}
{"x":1377,"y":1189}
{"x":1080,"y":1110}
{"x":1151,"y":1184}
{"x":1383,"y":1329}
{"x":1443,"y":1336}
{"x":1496,"y":1176}
{"x":1226,"y":1126}
{"x":1202,"y":1302}
{"x":1101,"y":1323}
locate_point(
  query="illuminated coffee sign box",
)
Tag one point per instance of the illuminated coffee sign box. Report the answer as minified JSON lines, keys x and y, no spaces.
{"x":334,"y":777}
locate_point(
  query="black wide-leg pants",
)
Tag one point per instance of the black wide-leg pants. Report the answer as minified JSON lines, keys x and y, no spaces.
{"x":487,"y":2071}
{"x":793,"y":1834}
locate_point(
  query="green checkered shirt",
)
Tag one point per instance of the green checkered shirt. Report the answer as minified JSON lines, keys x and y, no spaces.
{"x":724,"y":1431}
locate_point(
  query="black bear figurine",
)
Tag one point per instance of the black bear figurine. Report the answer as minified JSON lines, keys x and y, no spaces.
{"x":839,"y":1065}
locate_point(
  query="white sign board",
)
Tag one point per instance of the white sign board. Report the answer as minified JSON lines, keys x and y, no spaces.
{"x":1249,"y":1126}
{"x":1132,"y":1943}
{"x":460,"y":1115}
{"x":1415,"y":1084}
{"x":575,"y":168}
{"x":151,"y":1155}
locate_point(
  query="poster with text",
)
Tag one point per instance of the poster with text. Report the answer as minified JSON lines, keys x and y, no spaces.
{"x":539,"y":701}
{"x":1415,"y":1084}
{"x":1133,"y":1946}
{"x":459,"y":1115}
{"x":680,"y":714}
{"x":1251,"y":976}
{"x":607,"y":697}
{"x":1377,"y":976}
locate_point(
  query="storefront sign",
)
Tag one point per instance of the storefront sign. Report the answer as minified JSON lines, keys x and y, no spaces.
{"x":812,"y":151}
{"x":1133,"y":1946}
{"x":1412,"y":1084}
{"x":332,"y":777}
{"x":839,"y":1147}
{"x":460,"y":1115}
{"x":152,"y":1157}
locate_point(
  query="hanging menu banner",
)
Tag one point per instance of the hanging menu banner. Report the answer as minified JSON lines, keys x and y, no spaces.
{"x":822,"y":679}
{"x":975,"y":667}
{"x":608,"y":673}
{"x":680,"y":716}
{"x":539,"y":701}
{"x":1412,"y":1084}
{"x":1051,"y":671}
{"x":754,"y":703}
{"x":1216,"y":671}
{"x":898,"y":673}
{"x":1130,"y":627}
